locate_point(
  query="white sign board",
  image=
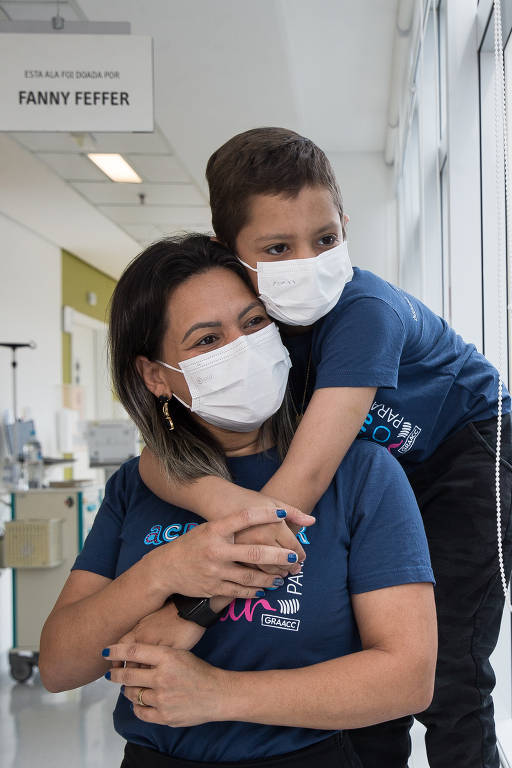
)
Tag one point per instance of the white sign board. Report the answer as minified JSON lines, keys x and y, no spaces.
{"x":60,"y":82}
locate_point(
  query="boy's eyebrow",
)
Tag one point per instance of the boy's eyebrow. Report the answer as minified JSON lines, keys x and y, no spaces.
{"x":217,"y":323}
{"x":273,"y":236}
{"x":280,"y":236}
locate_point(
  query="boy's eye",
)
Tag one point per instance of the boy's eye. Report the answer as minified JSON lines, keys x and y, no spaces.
{"x":277,"y":250}
{"x":328,"y":239}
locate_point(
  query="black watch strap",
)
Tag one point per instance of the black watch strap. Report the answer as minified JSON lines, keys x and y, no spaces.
{"x":196,"y":609}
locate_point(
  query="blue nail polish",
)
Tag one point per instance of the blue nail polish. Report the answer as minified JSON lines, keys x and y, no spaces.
{"x":107,"y":675}
{"x":260,"y":593}
{"x":131,"y":705}
{"x":272,"y":589}
{"x":281,"y":512}
{"x":292,"y":557}
{"x":105,"y":652}
{"x":122,"y":689}
{"x":278,"y":582}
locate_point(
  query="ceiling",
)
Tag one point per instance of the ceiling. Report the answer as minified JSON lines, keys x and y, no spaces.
{"x":221,"y":66}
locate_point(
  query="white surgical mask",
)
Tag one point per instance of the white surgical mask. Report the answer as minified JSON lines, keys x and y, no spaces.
{"x":301,"y":291}
{"x":238,"y":386}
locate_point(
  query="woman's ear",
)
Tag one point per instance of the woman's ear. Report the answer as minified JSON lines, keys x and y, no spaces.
{"x":153,"y":375}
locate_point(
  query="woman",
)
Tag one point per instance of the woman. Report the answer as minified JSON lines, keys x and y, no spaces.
{"x":358,"y":638}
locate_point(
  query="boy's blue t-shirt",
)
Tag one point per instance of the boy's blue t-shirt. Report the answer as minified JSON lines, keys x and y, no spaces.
{"x":429,"y":382}
{"x":368,"y":536}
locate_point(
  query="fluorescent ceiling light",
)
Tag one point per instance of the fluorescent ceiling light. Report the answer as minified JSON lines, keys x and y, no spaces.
{"x":115,"y":167}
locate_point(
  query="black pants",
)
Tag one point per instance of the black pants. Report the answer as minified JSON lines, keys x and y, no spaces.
{"x":334,"y":752}
{"x":456,"y":496}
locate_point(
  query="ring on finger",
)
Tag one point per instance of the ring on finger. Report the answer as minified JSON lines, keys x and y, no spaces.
{"x":139,"y":698}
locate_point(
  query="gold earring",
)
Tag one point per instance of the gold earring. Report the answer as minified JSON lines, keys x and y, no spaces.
{"x":165,"y":410}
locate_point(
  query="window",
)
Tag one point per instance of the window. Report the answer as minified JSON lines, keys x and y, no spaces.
{"x":494,"y":217}
{"x":419,"y":184}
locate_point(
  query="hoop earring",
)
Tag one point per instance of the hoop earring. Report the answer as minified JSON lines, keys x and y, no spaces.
{"x":164,"y":400}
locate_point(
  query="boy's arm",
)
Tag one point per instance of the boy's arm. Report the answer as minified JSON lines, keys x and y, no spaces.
{"x":328,"y":428}
{"x":211,"y":496}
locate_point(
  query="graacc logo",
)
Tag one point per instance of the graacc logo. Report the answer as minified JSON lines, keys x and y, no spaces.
{"x":279,"y":622}
{"x":289,"y":606}
{"x":410,"y":440}
{"x":405,"y":429}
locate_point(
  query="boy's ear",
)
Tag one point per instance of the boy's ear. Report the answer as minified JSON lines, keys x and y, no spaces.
{"x":346,"y":219}
{"x":153,"y":375}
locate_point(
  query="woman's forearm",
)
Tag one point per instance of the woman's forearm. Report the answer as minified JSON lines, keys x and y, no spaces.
{"x":350,"y":692}
{"x":76,"y":631}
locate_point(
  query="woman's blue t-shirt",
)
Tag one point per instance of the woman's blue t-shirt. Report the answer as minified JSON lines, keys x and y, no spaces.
{"x":368,"y":536}
{"x":429,"y":382}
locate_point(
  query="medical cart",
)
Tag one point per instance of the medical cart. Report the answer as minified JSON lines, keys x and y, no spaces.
{"x":46,"y":532}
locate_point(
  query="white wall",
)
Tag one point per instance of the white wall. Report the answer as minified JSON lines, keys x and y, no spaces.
{"x":30,"y":301}
{"x":367,"y":187}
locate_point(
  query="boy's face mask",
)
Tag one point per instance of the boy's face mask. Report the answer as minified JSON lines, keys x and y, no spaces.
{"x":301,"y":291}
{"x":240,"y":385}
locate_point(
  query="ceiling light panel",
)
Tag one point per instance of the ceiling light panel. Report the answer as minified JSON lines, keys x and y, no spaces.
{"x":115,"y":167}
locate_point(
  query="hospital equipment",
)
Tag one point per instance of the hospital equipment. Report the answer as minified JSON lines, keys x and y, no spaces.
{"x":46,"y":532}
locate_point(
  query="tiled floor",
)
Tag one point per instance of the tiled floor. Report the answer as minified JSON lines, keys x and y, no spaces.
{"x":74,"y":730}
{"x":65,"y":730}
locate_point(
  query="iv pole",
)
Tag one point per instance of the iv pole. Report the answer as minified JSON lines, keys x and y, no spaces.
{"x":13,"y":346}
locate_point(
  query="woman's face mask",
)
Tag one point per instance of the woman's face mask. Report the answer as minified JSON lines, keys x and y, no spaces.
{"x":240,"y":385}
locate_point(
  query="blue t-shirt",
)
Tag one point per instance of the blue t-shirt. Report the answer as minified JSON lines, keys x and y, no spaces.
{"x":429,"y":382}
{"x":368,"y":536}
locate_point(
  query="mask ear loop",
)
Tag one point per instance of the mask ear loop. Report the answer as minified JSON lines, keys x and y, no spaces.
{"x":253,"y":269}
{"x":172,"y":368}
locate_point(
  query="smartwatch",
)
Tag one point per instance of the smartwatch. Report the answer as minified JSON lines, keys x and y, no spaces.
{"x":196,"y":609}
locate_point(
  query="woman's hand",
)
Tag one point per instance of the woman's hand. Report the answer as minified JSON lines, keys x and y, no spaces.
{"x":178,"y":689}
{"x":206,"y":561}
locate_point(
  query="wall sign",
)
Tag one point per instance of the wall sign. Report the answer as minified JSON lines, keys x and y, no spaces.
{"x":60,"y":82}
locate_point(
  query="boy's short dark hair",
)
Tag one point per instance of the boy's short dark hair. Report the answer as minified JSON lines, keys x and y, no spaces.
{"x":263,"y":161}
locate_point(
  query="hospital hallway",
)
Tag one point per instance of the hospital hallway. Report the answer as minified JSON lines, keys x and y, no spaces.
{"x":346,"y":166}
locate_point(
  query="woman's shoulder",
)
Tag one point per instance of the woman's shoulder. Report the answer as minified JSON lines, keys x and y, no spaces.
{"x":124,"y":482}
{"x":366,"y":456}
{"x":369,"y":473}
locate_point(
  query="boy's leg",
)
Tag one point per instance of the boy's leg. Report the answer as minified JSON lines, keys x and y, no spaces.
{"x":385,"y":745}
{"x":455,"y":492}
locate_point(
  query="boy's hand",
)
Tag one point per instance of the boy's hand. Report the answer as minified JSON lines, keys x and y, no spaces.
{"x":274,"y":535}
{"x":165,"y":627}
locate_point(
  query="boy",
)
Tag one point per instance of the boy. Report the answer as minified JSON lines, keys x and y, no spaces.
{"x":379,"y":365}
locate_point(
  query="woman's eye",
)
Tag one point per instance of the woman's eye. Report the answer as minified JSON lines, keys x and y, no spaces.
{"x":254,"y":321}
{"x":277,"y":250}
{"x":211,"y":339}
{"x":328,"y":239}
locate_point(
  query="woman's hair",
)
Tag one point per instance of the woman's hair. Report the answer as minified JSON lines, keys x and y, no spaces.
{"x":263,"y":161}
{"x":138,"y":323}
